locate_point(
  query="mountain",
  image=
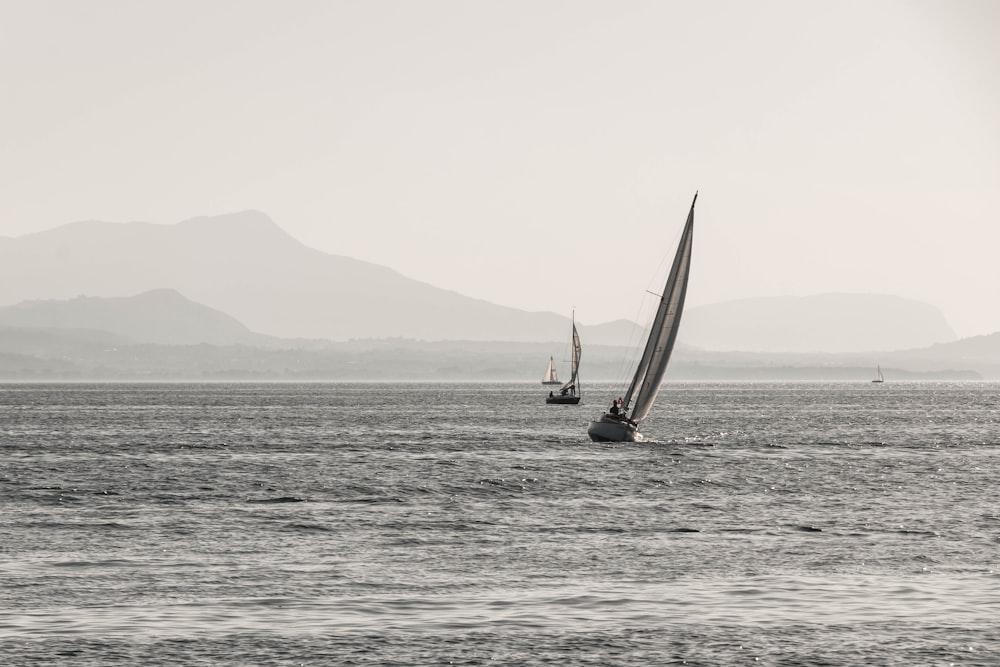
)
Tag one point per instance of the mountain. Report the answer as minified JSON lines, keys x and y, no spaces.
{"x":979,"y":352}
{"x":161,"y":335}
{"x":162,"y":316}
{"x":834,"y":323}
{"x":244,"y":265}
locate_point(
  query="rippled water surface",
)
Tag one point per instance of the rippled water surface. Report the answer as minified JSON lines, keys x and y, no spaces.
{"x":287,"y":524}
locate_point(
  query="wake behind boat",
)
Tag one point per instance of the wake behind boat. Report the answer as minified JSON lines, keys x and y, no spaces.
{"x":617,"y":425}
{"x":570,"y":392}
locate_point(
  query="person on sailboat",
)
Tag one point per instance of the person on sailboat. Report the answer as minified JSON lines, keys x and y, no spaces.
{"x":614,"y":408}
{"x":551,"y":395}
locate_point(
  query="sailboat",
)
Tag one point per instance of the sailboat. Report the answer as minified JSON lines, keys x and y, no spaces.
{"x":878,"y":375}
{"x":550,"y":376}
{"x":617,"y":425}
{"x":570,"y":392}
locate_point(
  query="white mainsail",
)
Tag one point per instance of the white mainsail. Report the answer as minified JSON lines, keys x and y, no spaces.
{"x":550,"y":373}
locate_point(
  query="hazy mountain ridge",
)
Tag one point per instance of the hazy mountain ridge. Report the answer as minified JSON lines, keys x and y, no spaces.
{"x":160,"y":316}
{"x":45,"y":355}
{"x":90,"y":338}
{"x":245,"y":266}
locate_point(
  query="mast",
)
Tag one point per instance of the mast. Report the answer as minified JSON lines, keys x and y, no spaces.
{"x":662,"y":335}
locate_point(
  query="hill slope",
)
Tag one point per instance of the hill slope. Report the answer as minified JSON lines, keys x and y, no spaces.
{"x":244,"y":265}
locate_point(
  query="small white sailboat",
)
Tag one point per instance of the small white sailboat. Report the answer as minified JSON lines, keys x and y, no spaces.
{"x":550,"y":376}
{"x":570,"y":392}
{"x":617,"y":425}
{"x":878,"y":375}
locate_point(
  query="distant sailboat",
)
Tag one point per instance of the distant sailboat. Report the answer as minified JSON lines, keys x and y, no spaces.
{"x":878,"y":375}
{"x":550,"y":376}
{"x":617,"y":425}
{"x":570,"y":392}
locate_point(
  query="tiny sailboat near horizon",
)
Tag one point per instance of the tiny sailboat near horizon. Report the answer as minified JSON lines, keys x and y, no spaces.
{"x":570,"y":392}
{"x":878,"y":375}
{"x":617,"y":425}
{"x":551,"y":377}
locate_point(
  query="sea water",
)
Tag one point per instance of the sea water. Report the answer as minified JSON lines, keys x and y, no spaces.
{"x":385,"y":524}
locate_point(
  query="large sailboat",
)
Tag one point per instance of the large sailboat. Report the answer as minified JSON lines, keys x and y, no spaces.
{"x":617,"y":425}
{"x":550,"y":376}
{"x":570,"y":392}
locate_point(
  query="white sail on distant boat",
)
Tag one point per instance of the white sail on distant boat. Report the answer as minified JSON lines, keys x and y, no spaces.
{"x":617,"y":425}
{"x":550,"y":376}
{"x":878,"y":375}
{"x":570,"y":392}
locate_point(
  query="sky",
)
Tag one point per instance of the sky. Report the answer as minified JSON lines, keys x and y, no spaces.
{"x":538,"y":154}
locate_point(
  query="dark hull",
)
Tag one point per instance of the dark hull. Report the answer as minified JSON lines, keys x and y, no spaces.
{"x":562,"y":400}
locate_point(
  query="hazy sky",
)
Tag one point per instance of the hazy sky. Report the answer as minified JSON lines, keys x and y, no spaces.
{"x":537,"y":154}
